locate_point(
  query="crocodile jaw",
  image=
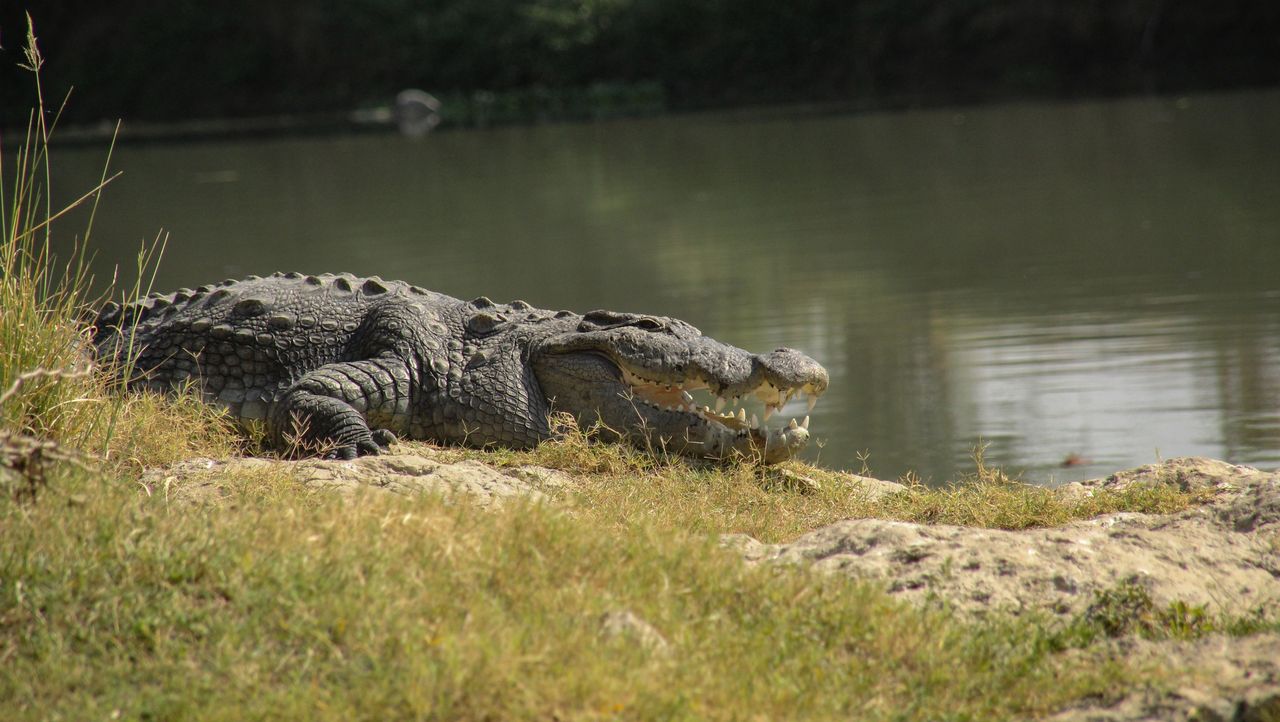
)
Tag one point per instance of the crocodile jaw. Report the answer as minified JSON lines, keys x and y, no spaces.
{"x":660,"y":363}
{"x":651,"y":403}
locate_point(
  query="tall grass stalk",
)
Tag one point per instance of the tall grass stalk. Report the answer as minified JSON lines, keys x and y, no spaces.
{"x":47,"y":388}
{"x":39,"y":300}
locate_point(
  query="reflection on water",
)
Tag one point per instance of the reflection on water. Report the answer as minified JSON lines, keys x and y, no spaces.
{"x":1097,"y":279}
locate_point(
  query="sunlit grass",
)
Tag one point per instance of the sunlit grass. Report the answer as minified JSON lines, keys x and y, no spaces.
{"x":306,"y":605}
{"x":616,"y":484}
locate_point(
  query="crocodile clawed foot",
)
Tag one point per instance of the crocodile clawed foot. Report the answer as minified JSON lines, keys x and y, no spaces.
{"x":351,"y":452}
{"x":342,"y":453}
{"x":375,"y":443}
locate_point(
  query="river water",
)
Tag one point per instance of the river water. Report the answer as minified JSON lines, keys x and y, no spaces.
{"x":1095,"y":280}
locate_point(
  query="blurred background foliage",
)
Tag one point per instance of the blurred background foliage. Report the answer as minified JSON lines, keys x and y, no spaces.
{"x":144,"y":60}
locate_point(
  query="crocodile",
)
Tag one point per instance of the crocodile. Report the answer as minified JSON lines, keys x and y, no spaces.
{"x":341,"y":365}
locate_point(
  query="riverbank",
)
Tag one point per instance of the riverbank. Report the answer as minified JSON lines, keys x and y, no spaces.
{"x":600,"y":582}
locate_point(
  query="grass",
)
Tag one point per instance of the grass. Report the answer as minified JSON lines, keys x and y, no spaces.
{"x":277,"y":601}
{"x":47,"y":389}
{"x":617,"y":484}
{"x":118,"y":600}
{"x":303,"y":605}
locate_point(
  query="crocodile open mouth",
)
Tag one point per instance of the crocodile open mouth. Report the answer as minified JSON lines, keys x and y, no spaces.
{"x":728,"y":411}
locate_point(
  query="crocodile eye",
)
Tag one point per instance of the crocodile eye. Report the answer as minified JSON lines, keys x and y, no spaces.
{"x":649,"y":324}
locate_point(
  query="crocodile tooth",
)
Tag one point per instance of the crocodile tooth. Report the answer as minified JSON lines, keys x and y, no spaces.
{"x":768,"y":411}
{"x":742,"y":416}
{"x":793,"y":425}
{"x":686,"y":397}
{"x":805,"y":424}
{"x":755,"y":421}
{"x":813,"y":401}
{"x":719,"y":404}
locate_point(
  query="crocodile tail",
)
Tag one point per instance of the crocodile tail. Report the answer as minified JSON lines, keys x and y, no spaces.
{"x":114,"y":319}
{"x":106,"y":322}
{"x":112,"y":328}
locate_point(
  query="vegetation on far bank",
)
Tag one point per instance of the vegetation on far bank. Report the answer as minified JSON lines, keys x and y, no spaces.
{"x":299,"y":57}
{"x":119,"y":601}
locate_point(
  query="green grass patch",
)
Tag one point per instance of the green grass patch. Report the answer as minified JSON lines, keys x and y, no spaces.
{"x":616,"y":484}
{"x":294,"y":604}
{"x":1128,"y":609}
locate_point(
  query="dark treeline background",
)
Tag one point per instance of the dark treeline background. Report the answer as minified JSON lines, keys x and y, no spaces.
{"x":158,"y":61}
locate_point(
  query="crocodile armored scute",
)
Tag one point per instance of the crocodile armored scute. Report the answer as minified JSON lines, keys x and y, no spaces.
{"x":342,"y":365}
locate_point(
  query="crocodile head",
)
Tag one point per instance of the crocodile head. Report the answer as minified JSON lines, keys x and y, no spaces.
{"x":637,"y":375}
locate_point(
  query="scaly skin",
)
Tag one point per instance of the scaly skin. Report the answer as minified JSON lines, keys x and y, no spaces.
{"x":349,"y":363}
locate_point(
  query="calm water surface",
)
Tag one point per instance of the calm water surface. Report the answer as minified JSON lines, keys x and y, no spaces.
{"x":1099,"y":279}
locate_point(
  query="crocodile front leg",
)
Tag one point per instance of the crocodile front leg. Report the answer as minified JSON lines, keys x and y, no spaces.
{"x":348,"y":407}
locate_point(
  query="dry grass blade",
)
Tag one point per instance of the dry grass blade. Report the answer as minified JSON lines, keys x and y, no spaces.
{"x":34,"y":374}
{"x":92,"y":194}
